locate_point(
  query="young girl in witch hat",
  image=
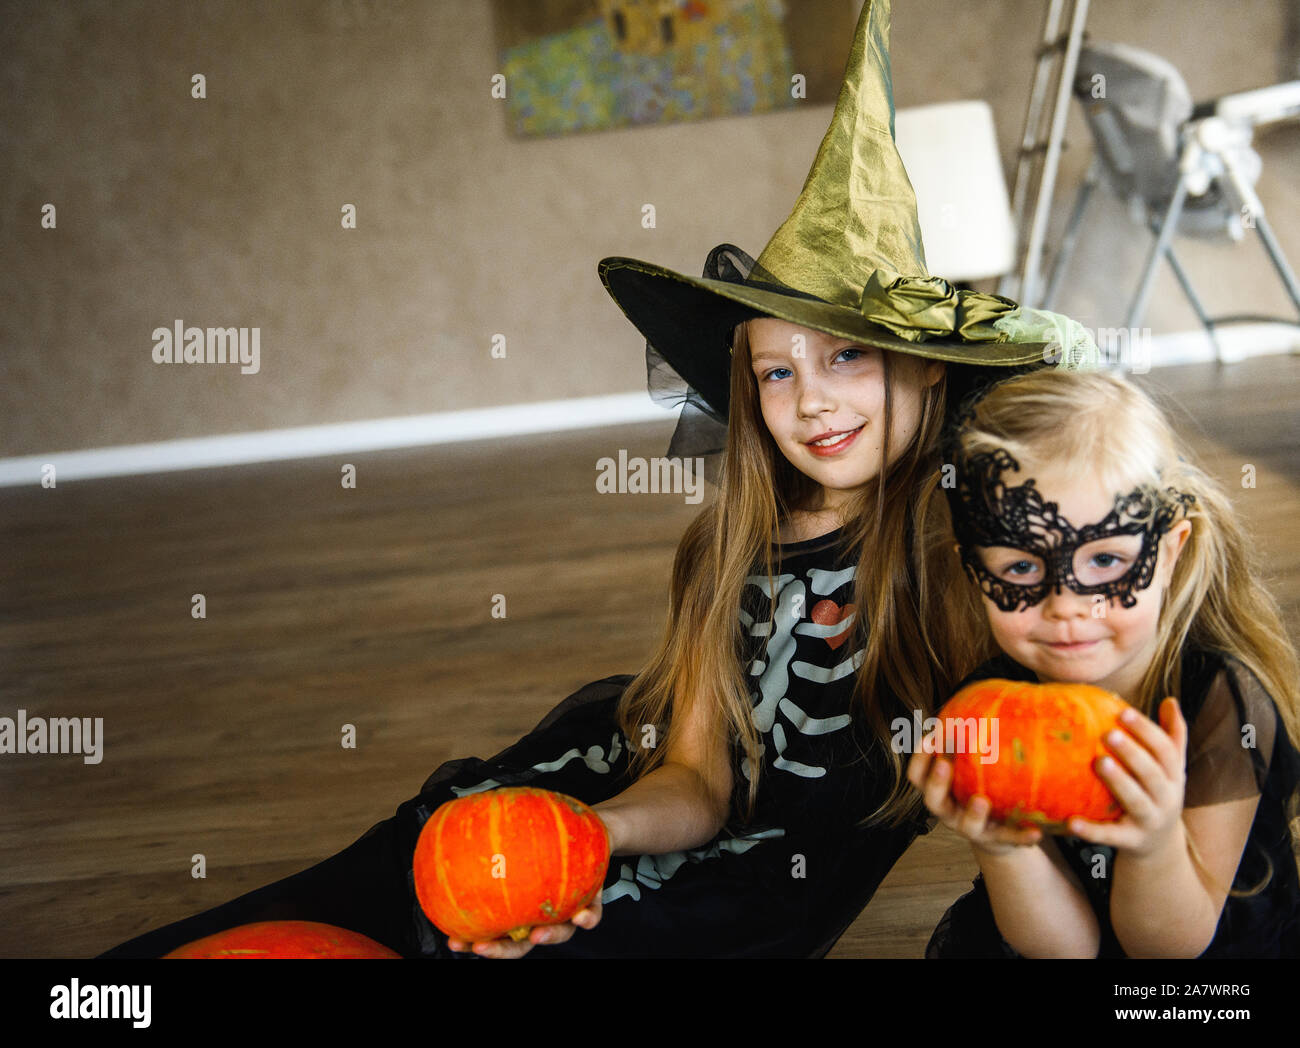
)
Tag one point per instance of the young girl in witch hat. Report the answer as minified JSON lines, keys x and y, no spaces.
{"x":1104,"y":556}
{"x":809,"y":604}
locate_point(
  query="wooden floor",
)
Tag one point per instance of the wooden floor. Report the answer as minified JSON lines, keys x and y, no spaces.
{"x":328,"y":606}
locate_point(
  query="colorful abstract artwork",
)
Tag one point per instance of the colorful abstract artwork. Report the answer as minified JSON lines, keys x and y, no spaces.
{"x":584,"y":65}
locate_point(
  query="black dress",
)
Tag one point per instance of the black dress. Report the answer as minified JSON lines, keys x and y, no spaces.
{"x":787,"y":883}
{"x":1237,"y":747}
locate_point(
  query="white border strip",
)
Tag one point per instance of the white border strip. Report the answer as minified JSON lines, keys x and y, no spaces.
{"x":1238,"y":341}
{"x":339,"y":438}
{"x":447,"y":427}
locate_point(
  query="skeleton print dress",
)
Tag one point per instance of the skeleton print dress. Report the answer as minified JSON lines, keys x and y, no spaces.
{"x":785,"y":884}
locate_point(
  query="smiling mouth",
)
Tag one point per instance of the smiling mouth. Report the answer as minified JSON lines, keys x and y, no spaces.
{"x":1081,"y":645}
{"x":833,"y":441}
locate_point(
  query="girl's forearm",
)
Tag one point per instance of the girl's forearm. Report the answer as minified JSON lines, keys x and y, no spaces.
{"x":1159,"y":906}
{"x":669,"y":809}
{"x":1039,"y":912}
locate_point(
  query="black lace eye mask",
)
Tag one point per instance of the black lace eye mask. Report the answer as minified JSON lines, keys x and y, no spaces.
{"x":987,"y":513}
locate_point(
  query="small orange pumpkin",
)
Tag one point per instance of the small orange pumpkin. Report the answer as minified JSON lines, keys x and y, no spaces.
{"x":503,"y":861}
{"x":1049,"y":737}
{"x":280,"y":940}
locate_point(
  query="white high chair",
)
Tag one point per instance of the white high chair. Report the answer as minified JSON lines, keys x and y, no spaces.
{"x":1181,"y":168}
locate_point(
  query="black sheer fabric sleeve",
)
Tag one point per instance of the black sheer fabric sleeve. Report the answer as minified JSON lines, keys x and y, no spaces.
{"x":1238,"y":748}
{"x":1231,"y":740}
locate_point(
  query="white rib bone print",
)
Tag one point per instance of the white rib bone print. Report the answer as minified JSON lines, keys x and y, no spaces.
{"x":790,"y":620}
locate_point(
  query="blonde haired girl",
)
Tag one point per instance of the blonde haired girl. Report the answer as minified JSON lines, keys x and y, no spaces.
{"x":1104,"y":555}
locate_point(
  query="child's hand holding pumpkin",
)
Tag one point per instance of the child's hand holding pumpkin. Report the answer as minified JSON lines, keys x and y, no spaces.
{"x":1147,"y":776}
{"x":548,"y":934}
{"x":931,"y":773}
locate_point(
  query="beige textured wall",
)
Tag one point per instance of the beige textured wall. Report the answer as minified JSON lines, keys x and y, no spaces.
{"x":226,"y":211}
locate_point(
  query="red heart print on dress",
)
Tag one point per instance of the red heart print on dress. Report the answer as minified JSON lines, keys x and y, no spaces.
{"x":828,"y":613}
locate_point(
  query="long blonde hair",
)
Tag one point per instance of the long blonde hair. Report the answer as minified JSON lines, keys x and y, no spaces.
{"x":1101,"y":425}
{"x":916,"y":638}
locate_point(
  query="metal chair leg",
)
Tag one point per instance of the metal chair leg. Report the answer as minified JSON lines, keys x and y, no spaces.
{"x":1265,"y":232}
{"x":1192,"y":297}
{"x":1158,"y":250}
{"x":1256,"y":210}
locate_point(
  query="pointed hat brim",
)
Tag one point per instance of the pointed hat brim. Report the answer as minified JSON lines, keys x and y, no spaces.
{"x":689,"y":321}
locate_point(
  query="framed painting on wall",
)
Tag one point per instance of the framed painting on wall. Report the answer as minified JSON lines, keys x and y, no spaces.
{"x":588,"y":65}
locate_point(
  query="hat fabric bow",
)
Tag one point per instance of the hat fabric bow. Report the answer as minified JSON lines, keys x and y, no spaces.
{"x":921,"y":308}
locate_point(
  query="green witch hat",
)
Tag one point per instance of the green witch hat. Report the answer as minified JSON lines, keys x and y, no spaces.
{"x":848,"y":261}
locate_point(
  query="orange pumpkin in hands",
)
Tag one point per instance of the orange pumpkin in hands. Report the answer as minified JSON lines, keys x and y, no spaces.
{"x":501,"y":862}
{"x":1048,"y":738}
{"x":281,"y":940}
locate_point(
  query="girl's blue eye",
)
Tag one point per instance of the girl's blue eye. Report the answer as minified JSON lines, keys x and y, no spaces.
{"x":854,"y":353}
{"x":1012,"y":565}
{"x":1018,"y":570}
{"x":1103,"y":567}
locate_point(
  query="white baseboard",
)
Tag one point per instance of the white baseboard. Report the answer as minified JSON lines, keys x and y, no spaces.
{"x":344,"y":438}
{"x":1238,"y":342}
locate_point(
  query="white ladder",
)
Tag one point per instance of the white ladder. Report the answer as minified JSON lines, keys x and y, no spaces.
{"x":1040,"y":148}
